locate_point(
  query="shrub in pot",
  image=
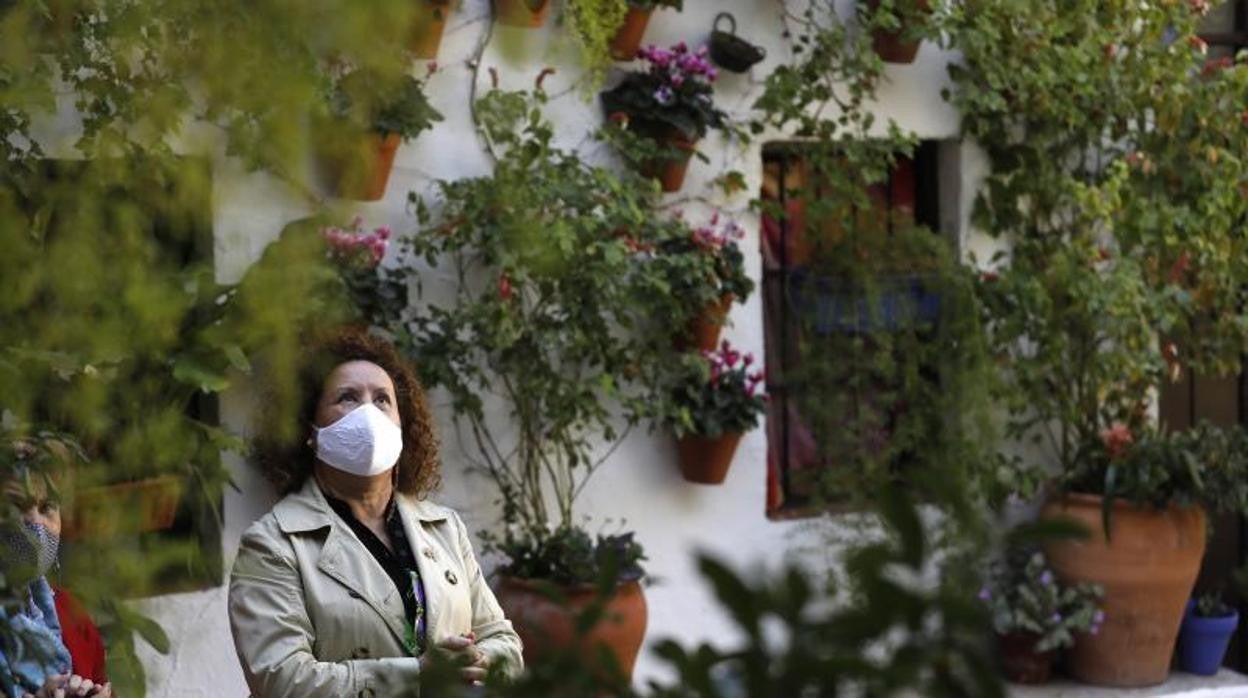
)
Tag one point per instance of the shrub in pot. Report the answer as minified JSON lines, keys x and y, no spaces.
{"x":669,"y":105}
{"x":1123,"y":271}
{"x":897,"y":27}
{"x":1208,"y":625}
{"x":367,"y":116}
{"x":1034,"y":614}
{"x":714,"y":400}
{"x":554,"y":314}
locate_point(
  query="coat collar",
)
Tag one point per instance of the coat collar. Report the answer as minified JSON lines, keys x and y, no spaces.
{"x":306,"y":509}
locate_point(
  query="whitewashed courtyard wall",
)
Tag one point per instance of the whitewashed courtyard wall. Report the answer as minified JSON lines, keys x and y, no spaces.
{"x":641,"y":484}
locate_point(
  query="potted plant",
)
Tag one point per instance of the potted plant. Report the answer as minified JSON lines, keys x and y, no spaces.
{"x":897,"y":28}
{"x":669,"y":105}
{"x":366,"y":118}
{"x":428,"y":24}
{"x":1111,"y":288}
{"x":714,"y":400}
{"x":709,"y":271}
{"x":1208,"y":624}
{"x":522,"y":13}
{"x":628,"y":36}
{"x":1035,"y":615}
{"x":553,"y":313}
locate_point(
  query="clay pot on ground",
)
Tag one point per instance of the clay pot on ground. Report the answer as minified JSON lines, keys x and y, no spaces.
{"x":1147,"y":567}
{"x":547,"y":626}
{"x":522,"y":13}
{"x":670,"y":170}
{"x":125,"y":508}
{"x":427,"y":27}
{"x":1020,"y":662}
{"x":704,"y":460}
{"x":1203,"y":640}
{"x":702,"y":332}
{"x":890,"y":46}
{"x":628,"y":37}
{"x":358,"y":168}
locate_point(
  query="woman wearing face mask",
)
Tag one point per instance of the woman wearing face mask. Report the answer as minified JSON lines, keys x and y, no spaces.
{"x":41,"y":666}
{"x":353,"y":580}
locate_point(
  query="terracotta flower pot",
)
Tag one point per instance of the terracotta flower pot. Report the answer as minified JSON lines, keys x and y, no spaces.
{"x":889,"y":45}
{"x":548,"y":627}
{"x":1020,"y":661}
{"x":123,"y":509}
{"x":705,"y":459}
{"x":702,"y":333}
{"x":522,"y":13}
{"x":427,"y":28}
{"x":670,"y":171}
{"x":360,"y":169}
{"x":628,"y":37}
{"x":1147,"y":566}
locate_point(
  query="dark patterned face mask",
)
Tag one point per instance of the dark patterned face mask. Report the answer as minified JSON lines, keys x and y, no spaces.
{"x":29,"y":546}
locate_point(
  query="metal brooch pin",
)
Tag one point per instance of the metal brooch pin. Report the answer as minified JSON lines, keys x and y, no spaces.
{"x":428,"y":552}
{"x":450,"y":577}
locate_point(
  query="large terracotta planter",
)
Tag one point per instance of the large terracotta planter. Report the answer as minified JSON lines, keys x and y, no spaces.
{"x":889,"y":45}
{"x":548,"y":627}
{"x":428,"y":27}
{"x":1020,"y":661}
{"x":670,"y":170}
{"x":359,"y":168}
{"x":1147,"y":566}
{"x":703,"y":330}
{"x":126,"y":508}
{"x":522,"y":13}
{"x":628,"y":37}
{"x":704,"y":460}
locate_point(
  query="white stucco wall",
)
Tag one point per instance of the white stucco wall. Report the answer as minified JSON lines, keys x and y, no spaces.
{"x":641,"y":484}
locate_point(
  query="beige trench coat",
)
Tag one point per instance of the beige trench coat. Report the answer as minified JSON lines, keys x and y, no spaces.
{"x":314,"y":614}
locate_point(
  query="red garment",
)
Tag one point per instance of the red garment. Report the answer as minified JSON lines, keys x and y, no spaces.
{"x":81,"y":637}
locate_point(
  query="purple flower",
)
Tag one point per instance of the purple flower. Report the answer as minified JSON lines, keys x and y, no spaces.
{"x":1046,"y":578}
{"x":678,"y":80}
{"x":984,"y":594}
{"x":1056,"y":618}
{"x":664,"y":95}
{"x":1098,"y":618}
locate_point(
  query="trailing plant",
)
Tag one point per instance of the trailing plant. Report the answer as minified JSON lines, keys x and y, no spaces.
{"x":594,"y":23}
{"x":1024,"y":597}
{"x":558,"y":310}
{"x":1123,"y":206}
{"x":705,"y":265}
{"x":385,"y":105}
{"x":715,"y":393}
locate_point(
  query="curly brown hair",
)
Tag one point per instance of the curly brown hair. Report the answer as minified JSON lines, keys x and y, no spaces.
{"x":281,"y":449}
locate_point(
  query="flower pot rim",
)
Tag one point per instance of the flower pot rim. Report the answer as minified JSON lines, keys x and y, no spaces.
{"x":1085,"y":498}
{"x":1190,"y":614}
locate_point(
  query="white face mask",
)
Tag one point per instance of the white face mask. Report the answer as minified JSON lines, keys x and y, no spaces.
{"x":363,"y":442}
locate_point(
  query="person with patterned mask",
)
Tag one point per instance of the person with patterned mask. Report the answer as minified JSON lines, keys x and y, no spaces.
{"x":34,"y":661}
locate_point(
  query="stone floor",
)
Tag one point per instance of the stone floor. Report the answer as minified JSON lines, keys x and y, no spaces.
{"x":1226,"y":684}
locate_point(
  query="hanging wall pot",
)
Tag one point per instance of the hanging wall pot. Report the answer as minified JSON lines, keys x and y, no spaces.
{"x":522,"y":13}
{"x":730,"y":51}
{"x":428,"y":24}
{"x":627,"y":38}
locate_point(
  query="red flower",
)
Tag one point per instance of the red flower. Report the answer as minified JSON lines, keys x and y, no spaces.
{"x":504,"y":287}
{"x":1116,"y":439}
{"x":1179,"y":268}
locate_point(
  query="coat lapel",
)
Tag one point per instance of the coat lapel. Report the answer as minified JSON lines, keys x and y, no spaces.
{"x":414,"y":514}
{"x":343,"y":557}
